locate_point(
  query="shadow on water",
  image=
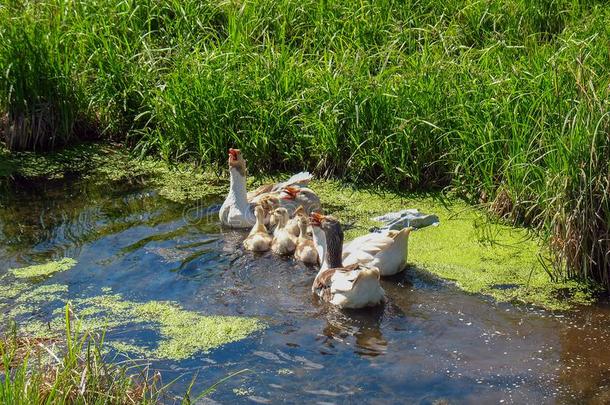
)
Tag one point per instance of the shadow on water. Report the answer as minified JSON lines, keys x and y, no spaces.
{"x":428,"y":344}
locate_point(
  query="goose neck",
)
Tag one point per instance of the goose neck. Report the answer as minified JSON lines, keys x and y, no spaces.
{"x":237,"y":187}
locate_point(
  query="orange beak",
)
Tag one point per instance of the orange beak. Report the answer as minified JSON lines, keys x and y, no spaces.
{"x":233,"y":153}
{"x":316,"y":218}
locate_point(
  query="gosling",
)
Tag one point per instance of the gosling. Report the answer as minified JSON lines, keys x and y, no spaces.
{"x":258,"y":239}
{"x":284,"y":243}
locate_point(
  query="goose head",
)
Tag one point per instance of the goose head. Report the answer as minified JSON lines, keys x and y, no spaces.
{"x":303,"y":222}
{"x":259,"y":213}
{"x":300,"y":213}
{"x":281,"y":217}
{"x":237,"y":161}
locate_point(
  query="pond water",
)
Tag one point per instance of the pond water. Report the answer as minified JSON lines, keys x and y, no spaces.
{"x":429,"y":344}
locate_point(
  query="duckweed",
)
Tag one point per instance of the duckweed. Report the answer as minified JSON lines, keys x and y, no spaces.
{"x":183,"y":333}
{"x":9,"y":290}
{"x":129,"y":348}
{"x":33,"y":299}
{"x":182,"y":186}
{"x":178,"y":183}
{"x":54,"y":165}
{"x":44,"y":270}
{"x":186,"y":333}
{"x":43,"y":293}
{"x":479,"y":255}
{"x":105,"y":164}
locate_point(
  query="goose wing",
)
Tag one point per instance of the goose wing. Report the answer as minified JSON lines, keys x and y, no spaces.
{"x":325,"y":277}
{"x":364,"y":248}
{"x":301,"y":179}
{"x":343,"y":279}
{"x":265,"y":188}
{"x":322,"y":279}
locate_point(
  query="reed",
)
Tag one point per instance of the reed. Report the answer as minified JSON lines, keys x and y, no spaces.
{"x":77,"y":369}
{"x":504,"y":102}
{"x":70,"y":370}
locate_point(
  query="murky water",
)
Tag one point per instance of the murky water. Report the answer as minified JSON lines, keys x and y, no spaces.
{"x":429,"y":344}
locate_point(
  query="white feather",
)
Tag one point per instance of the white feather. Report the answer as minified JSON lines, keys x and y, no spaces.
{"x":299,"y":178}
{"x":370,"y":244}
{"x":388,"y":254}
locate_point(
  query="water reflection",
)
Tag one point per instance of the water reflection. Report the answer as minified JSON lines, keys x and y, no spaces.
{"x":364,"y":326}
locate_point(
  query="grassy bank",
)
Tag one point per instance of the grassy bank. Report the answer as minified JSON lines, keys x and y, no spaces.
{"x":503,"y":101}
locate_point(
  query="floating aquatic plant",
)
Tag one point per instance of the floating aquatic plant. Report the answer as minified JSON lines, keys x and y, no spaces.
{"x":186,"y":333}
{"x":44,"y":270}
{"x":182,"y":333}
{"x":70,"y":368}
{"x":475,"y":252}
{"x":10,"y":289}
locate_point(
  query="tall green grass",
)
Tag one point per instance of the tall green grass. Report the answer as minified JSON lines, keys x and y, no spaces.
{"x":505,"y":102}
{"x":76,"y":369}
{"x":73,"y":370}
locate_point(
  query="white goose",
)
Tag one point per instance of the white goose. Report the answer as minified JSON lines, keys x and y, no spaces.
{"x":355,"y":286}
{"x":237,"y":211}
{"x":386,"y":251}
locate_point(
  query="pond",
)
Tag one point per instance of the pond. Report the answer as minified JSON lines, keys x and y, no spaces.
{"x":430,"y":343}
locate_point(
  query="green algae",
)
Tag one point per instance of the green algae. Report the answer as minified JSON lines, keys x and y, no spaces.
{"x":31,"y":300}
{"x":53,"y":165}
{"x":105,"y":164}
{"x":182,"y":333}
{"x":477,"y":254}
{"x":181,"y":186}
{"x":44,"y":270}
{"x":187,"y":333}
{"x":180,"y":183}
{"x":24,"y":299}
{"x":43,"y":293}
{"x":11,"y":289}
{"x":129,"y":348}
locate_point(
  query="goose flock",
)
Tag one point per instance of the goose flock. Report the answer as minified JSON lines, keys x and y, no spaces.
{"x":349,"y":274}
